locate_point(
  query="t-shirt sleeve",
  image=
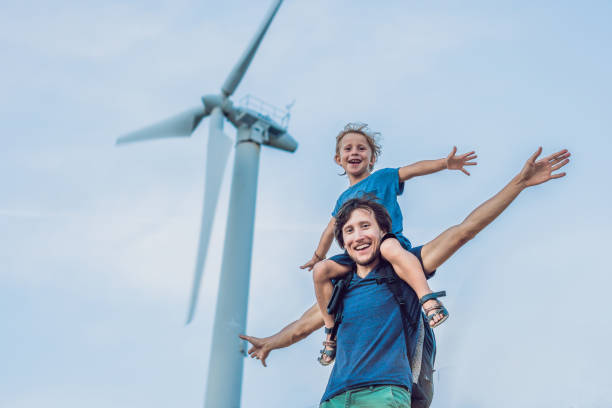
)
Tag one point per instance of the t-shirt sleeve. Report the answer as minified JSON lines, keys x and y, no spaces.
{"x":336,"y":208}
{"x":398,"y":183}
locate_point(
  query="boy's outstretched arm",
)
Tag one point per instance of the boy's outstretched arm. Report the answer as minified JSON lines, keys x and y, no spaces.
{"x":324,"y":243}
{"x":451,"y":162}
{"x":310,"y":321}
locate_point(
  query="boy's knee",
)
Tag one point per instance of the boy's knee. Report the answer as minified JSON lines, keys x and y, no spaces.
{"x":320,"y":271}
{"x":391,"y":249}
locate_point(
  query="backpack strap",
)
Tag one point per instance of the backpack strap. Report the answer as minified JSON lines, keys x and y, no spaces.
{"x":335,"y":306}
{"x":394,"y":284}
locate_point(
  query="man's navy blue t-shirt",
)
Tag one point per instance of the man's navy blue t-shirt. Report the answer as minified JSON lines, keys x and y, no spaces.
{"x":371,"y":349}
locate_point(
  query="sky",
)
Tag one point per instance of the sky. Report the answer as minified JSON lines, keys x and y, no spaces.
{"x":97,"y":243}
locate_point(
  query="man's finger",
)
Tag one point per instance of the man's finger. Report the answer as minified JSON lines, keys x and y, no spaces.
{"x":465,"y":171}
{"x":263,"y":362}
{"x":470,"y":163}
{"x":534,"y":156}
{"x":555,"y":176}
{"x":452,"y":153}
{"x":554,"y":155}
{"x":559,"y":165}
{"x":557,"y":159}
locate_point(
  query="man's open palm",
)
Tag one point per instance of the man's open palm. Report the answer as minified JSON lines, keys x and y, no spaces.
{"x":537,"y":172}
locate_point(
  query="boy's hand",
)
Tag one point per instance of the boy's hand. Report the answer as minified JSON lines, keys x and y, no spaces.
{"x":310,"y":264}
{"x":458,"y":162}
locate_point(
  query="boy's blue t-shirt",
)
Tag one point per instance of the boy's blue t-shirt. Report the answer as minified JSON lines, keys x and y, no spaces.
{"x":371,"y":349}
{"x":386,"y":186}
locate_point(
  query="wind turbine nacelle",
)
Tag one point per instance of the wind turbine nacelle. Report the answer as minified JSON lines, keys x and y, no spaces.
{"x":212,"y":101}
{"x":281,"y":140}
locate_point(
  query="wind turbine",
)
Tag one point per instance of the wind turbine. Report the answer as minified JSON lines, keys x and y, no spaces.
{"x":256,"y":125}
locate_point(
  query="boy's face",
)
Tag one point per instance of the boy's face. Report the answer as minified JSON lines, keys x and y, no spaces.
{"x":362,"y":235}
{"x":355,"y":155}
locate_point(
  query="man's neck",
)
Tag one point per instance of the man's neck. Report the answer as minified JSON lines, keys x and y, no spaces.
{"x":364,"y":270}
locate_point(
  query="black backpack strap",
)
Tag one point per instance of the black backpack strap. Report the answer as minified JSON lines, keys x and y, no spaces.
{"x":394,"y":284}
{"x":335,"y":306}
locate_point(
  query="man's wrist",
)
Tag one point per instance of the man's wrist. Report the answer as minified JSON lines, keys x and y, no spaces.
{"x":444,"y":163}
{"x":518,"y":182}
{"x":319,"y":257}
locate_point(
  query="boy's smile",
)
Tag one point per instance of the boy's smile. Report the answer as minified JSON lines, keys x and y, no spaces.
{"x":355,"y":156}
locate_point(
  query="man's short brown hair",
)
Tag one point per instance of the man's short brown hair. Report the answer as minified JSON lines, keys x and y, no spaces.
{"x":368,"y":203}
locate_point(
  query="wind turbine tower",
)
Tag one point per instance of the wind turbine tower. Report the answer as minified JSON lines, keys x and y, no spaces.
{"x":257,"y":124}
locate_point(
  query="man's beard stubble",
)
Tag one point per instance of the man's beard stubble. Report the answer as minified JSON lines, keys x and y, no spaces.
{"x":370,"y":260}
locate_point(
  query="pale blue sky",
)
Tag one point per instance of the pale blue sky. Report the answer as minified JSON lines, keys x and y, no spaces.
{"x":98,"y":243}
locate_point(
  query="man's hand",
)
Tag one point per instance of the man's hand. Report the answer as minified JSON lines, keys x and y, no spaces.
{"x":538,"y":172}
{"x":459,"y":162}
{"x":260,"y":348}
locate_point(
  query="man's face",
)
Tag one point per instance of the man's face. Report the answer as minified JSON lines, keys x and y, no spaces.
{"x":362,"y":237}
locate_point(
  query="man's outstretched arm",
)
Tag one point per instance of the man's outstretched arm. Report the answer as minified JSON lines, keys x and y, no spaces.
{"x":310,"y":321}
{"x":436,"y":252}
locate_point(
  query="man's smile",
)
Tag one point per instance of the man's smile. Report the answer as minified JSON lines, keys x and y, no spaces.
{"x":361,"y":247}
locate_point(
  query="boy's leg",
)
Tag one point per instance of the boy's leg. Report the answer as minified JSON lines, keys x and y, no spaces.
{"x":322,"y":274}
{"x":408,"y":267}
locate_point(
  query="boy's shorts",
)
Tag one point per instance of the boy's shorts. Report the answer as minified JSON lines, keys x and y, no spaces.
{"x":345,"y":259}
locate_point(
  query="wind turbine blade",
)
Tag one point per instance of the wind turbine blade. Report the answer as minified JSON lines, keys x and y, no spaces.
{"x":218,"y":149}
{"x":234,"y":78}
{"x":181,"y":125}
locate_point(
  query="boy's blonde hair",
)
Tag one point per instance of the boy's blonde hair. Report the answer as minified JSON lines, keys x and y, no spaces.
{"x":363,"y":129}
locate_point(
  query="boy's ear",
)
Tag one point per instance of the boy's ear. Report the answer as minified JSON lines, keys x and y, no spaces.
{"x":338,"y":160}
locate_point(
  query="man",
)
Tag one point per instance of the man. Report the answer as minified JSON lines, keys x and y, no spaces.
{"x":350,"y":376}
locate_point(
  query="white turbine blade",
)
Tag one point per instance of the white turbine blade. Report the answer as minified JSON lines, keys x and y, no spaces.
{"x":181,"y":125}
{"x":234,"y":78}
{"x":218,"y":149}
